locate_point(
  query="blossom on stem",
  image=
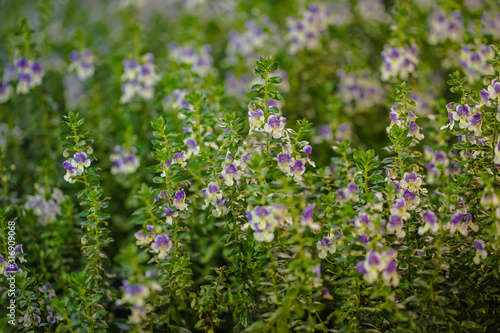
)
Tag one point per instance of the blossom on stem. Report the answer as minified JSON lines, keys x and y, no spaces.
{"x":275,"y":126}
{"x":263,"y":223}
{"x":481,"y":252}
{"x":256,"y":119}
{"x":431,"y":223}
{"x":307,"y":218}
{"x":180,"y":200}
{"x":326,"y":246}
{"x":161,"y":245}
{"x":230,"y":173}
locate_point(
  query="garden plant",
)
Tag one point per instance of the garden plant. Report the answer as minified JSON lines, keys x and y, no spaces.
{"x":250,"y":166}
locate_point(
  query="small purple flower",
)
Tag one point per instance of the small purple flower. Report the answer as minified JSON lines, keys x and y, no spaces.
{"x":352,"y":188}
{"x":326,"y":246}
{"x":457,"y":218}
{"x":430,"y":220}
{"x":180,"y":200}
{"x":307,"y":150}
{"x":180,"y":158}
{"x":230,"y":174}
{"x":297,"y":169}
{"x":481,"y":252}
{"x":360,"y":266}
{"x":161,"y":245}
{"x":142,"y":239}
{"x":307,"y":218}
{"x":169,"y":215}
{"x":284,"y":160}
{"x":275,"y":126}
{"x":192,"y":146}
{"x":256,"y":119}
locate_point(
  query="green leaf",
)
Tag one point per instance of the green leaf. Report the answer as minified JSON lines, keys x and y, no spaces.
{"x":275,"y":79}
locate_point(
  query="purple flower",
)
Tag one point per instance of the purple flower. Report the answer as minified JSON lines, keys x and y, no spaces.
{"x":326,"y":246}
{"x":284,"y":160}
{"x":430,"y":220}
{"x":142,"y":239}
{"x":263,"y":222}
{"x":360,"y":266}
{"x":395,"y":226}
{"x":256,"y":119}
{"x":307,"y":150}
{"x":457,"y":218}
{"x":135,"y":295}
{"x":230,"y":174}
{"x":180,"y":200}
{"x":275,"y":126}
{"x":180,"y":158}
{"x":479,"y":244}
{"x":125,"y":161}
{"x":161,"y":245}
{"x":481,"y":252}
{"x":169,"y":215}
{"x":297,"y":169}
{"x":307,"y":218}
{"x":352,"y":188}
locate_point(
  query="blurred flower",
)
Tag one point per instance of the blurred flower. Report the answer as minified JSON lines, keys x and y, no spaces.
{"x":263,"y":223}
{"x":473,"y":60}
{"x":46,"y":204}
{"x":139,"y":78}
{"x":443,"y":28}
{"x":326,"y":246}
{"x":398,"y":62}
{"x":82,"y":63}
{"x":180,"y":200}
{"x":161,"y":245}
{"x":481,"y":252}
{"x":125,"y":161}
{"x":200,"y":60}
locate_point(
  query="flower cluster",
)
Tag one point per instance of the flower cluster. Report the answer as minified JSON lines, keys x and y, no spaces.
{"x":291,"y":166}
{"x":158,"y":243}
{"x":473,"y":61}
{"x":215,"y":197}
{"x":398,"y":62}
{"x":29,"y":74}
{"x":401,"y":118}
{"x":45,"y":204}
{"x":490,"y":24}
{"x":380,"y":263}
{"x":124,"y":161}
{"x":443,"y":27}
{"x":200,"y":61}
{"x":256,"y":38}
{"x":263,"y":220}
{"x":75,"y":166}
{"x":348,"y":194}
{"x":137,"y":295}
{"x":139,"y":78}
{"x":82,"y":63}
{"x":305,"y":32}
{"x":437,"y":163}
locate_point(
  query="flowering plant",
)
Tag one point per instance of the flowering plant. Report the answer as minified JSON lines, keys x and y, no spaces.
{"x":348,"y":182}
